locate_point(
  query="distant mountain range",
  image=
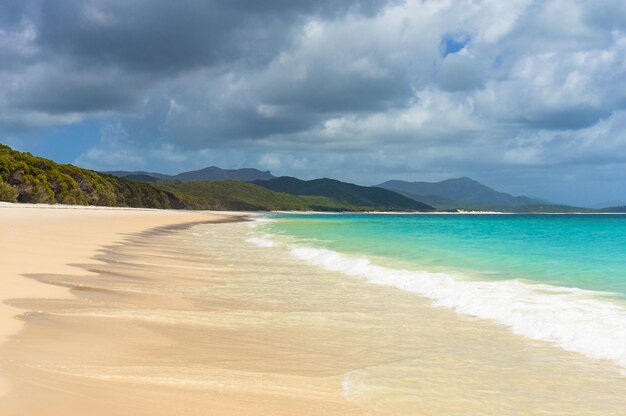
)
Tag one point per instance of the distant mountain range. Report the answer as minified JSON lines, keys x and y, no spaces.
{"x":616,"y":209}
{"x":212,"y":173}
{"x":363,"y":196}
{"x":333,"y":195}
{"x":609,"y":204}
{"x":28,"y":178}
{"x":31,"y":179}
{"x":458,"y":193}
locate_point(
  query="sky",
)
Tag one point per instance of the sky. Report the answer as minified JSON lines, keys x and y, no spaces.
{"x":528,"y":97}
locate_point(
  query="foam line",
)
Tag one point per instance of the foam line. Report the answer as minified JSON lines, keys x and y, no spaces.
{"x":577,"y":320}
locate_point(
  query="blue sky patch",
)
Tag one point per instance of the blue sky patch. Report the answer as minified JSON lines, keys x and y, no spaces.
{"x":454,"y":42}
{"x":63,"y":144}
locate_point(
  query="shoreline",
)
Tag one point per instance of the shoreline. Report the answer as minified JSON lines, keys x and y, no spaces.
{"x":39,"y":238}
{"x":190,"y":319}
{"x":549,"y":310}
{"x":440,"y":213}
{"x":161,"y":312}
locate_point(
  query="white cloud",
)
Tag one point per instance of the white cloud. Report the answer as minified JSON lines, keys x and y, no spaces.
{"x":537,"y":84}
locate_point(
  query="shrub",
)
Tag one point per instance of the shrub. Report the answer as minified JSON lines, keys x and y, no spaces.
{"x":8,"y":192}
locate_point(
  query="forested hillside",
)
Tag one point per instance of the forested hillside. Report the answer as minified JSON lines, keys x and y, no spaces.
{"x":32,"y":179}
{"x":347,"y":193}
{"x":245,"y":196}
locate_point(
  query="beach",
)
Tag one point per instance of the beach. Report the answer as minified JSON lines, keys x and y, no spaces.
{"x":50,"y":239}
{"x":161,"y":312}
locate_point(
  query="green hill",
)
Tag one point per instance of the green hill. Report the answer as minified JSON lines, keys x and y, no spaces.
{"x":141,"y":178}
{"x":347,"y":193}
{"x":32,"y":179}
{"x":618,"y":209}
{"x":211,"y":173}
{"x":468,"y":195}
{"x":236,"y":195}
{"x":457,"y":193}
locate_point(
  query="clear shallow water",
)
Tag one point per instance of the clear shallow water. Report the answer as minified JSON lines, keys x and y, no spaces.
{"x":559,"y":278}
{"x":583,"y":251}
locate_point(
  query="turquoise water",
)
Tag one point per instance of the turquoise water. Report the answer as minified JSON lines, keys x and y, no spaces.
{"x":555,"y":278}
{"x":582,"y":251}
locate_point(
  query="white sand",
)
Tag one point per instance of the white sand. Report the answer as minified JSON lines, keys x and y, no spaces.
{"x":48,"y":238}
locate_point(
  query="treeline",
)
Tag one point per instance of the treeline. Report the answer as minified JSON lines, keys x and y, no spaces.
{"x":31,"y":179}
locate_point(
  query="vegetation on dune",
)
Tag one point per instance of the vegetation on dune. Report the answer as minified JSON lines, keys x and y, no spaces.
{"x":8,"y":192}
{"x":39,"y":180}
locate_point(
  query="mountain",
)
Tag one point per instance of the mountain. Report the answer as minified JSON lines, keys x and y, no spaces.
{"x":28,"y":178}
{"x":213,"y":173}
{"x":616,"y":209}
{"x":141,"y":177}
{"x":246,"y":196}
{"x":210,"y":173}
{"x":140,"y":173}
{"x":432,"y":200}
{"x":348,"y":193}
{"x":609,"y":204}
{"x":31,"y":179}
{"x":460,"y":192}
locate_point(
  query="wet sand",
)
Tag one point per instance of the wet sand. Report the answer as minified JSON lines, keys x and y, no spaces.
{"x":192,"y":320}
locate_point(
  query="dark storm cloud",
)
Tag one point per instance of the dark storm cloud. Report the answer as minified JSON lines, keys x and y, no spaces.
{"x":13,"y":11}
{"x":567,"y":118}
{"x":58,"y":91}
{"x":329,"y":90}
{"x":409,"y":87}
{"x":104,"y":47}
{"x":169,"y":36}
{"x":198,"y":120}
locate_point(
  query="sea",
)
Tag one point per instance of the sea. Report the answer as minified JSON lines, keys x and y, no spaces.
{"x":554,"y":278}
{"x":335,"y":314}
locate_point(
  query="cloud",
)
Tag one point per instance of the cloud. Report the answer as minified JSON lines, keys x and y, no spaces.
{"x":354,"y":89}
{"x":107,"y":55}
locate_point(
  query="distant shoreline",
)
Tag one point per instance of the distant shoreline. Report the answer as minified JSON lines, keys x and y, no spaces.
{"x":443,"y":213}
{"x":107,"y":208}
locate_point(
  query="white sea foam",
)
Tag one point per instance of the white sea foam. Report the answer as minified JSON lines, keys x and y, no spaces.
{"x":256,"y":221}
{"x":260,"y":241}
{"x":577,"y":320}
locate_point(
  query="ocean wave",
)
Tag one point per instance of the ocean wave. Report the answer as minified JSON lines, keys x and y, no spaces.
{"x":577,"y":320}
{"x":260,"y":241}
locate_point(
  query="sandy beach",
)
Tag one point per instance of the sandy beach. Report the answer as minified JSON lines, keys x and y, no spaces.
{"x":49,"y":239}
{"x":175,"y":313}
